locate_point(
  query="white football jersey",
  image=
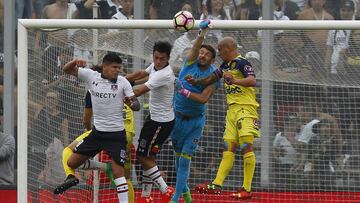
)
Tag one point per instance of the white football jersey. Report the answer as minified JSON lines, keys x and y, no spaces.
{"x":107,"y":99}
{"x":161,"y":85}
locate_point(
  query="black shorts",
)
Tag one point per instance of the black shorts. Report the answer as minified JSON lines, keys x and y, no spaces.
{"x":152,"y":136}
{"x":112,"y":142}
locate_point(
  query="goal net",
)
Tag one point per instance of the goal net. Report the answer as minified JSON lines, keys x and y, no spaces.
{"x":307,"y":85}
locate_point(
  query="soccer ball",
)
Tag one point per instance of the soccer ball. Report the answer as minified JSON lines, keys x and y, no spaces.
{"x":183,"y":21}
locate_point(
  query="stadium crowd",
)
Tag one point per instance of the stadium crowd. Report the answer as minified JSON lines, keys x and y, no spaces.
{"x":315,"y":141}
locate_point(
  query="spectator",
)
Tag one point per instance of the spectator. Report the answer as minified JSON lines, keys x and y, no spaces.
{"x":7,"y":152}
{"x":316,"y":39}
{"x":278,"y":14}
{"x":291,"y":56}
{"x":312,"y":117}
{"x":215,"y":11}
{"x":23,"y":9}
{"x":106,"y":9}
{"x":300,"y":3}
{"x":284,"y":151}
{"x":38,"y":6}
{"x":51,"y":122}
{"x":165,"y":9}
{"x":84,"y":9}
{"x":250,"y":10}
{"x":352,"y":56}
{"x":125,"y":10}
{"x":61,"y":9}
{"x":290,"y":9}
{"x":333,"y":7}
{"x":338,"y":39}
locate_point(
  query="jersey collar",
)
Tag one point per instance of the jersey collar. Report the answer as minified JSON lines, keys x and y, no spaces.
{"x":161,"y":68}
{"x":113,"y":81}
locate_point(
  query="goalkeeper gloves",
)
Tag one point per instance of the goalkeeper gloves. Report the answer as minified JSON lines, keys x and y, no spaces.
{"x":180,"y":89}
{"x":204,"y":26}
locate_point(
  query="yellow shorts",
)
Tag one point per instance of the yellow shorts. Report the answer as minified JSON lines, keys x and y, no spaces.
{"x":82,"y":136}
{"x":241,"y":121}
{"x":129,"y":139}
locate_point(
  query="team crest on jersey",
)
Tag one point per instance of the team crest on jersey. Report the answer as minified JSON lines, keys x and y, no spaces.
{"x":123,"y":154}
{"x":256,"y":124}
{"x":114,"y":87}
{"x":248,"y":68}
{"x":143,"y":143}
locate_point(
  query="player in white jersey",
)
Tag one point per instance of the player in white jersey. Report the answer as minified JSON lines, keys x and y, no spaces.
{"x":108,"y":91}
{"x":157,"y":128}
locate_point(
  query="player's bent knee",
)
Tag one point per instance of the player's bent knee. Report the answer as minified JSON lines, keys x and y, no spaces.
{"x":229,"y":145}
{"x":247,"y":150}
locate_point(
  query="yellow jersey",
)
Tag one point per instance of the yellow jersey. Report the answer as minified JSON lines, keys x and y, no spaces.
{"x":236,"y":94}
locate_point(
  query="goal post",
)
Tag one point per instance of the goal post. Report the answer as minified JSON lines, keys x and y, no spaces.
{"x":287,"y":82}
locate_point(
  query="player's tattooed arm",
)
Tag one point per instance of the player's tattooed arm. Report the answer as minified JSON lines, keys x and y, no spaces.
{"x":137,"y":75}
{"x":132,"y":102}
{"x":202,"y":81}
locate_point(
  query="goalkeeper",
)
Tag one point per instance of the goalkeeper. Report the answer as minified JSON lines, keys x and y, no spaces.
{"x":242,"y":124}
{"x":190,"y":108}
{"x":71,"y":179}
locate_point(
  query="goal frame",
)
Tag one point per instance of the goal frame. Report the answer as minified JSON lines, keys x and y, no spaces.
{"x":24,"y":24}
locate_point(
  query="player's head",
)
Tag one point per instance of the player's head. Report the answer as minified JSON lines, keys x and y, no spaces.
{"x":111,"y":66}
{"x":161,"y":54}
{"x":206,"y":56}
{"x":227,"y":48}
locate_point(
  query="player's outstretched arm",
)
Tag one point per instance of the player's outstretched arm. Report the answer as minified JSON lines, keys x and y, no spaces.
{"x":205,"y":95}
{"x":202,"y":97}
{"x":202,"y":81}
{"x":204,"y":27}
{"x":132,"y":102}
{"x":72,"y":66}
{"x":137,"y":75}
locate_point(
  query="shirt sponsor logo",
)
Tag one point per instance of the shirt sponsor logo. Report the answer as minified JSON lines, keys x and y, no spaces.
{"x":103,"y":95}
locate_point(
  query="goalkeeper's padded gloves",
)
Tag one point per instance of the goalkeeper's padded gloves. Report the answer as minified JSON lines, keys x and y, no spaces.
{"x":180,"y":89}
{"x":204,"y":27}
{"x":204,"y":24}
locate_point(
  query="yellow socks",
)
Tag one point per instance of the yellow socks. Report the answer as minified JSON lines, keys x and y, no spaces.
{"x":67,"y":152}
{"x":225,"y":167}
{"x":249,"y":169}
{"x":131,"y":193}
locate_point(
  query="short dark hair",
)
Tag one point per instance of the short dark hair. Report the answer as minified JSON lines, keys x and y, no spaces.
{"x":97,"y":68}
{"x":112,"y":57}
{"x":210,"y":48}
{"x":162,"y":47}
